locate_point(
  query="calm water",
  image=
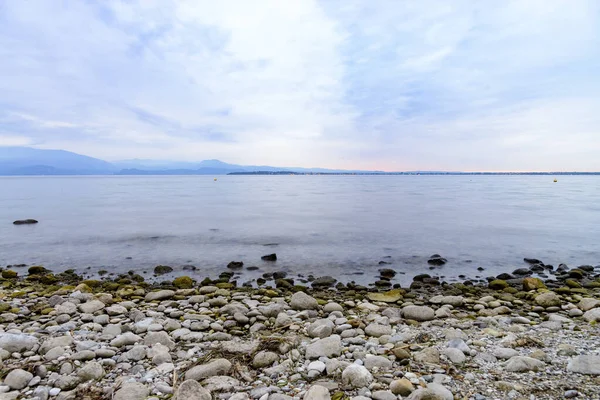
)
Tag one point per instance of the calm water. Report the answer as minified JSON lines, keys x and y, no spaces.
{"x":325,"y":225}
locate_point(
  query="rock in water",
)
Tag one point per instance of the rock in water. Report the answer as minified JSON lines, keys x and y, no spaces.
{"x":356,"y":376}
{"x":235,"y":265}
{"x":25,"y":222}
{"x":269,"y":257}
{"x":192,"y":390}
{"x":317,"y":392}
{"x":437,"y":260}
{"x":587,"y":365}
{"x":132,"y":391}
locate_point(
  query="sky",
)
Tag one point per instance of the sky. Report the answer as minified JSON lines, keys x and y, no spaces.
{"x":387,"y":85}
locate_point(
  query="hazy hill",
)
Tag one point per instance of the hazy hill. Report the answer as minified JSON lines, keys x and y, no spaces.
{"x":28,"y":161}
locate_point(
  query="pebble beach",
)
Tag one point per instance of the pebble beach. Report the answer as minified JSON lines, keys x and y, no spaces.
{"x":63,"y":336}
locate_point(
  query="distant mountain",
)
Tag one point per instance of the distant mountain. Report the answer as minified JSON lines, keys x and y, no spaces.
{"x":28,"y":161}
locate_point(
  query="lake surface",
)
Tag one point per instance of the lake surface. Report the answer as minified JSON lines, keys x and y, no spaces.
{"x":323,"y":225}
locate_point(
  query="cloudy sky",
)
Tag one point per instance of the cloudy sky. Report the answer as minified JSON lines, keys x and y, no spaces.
{"x":391,"y":85}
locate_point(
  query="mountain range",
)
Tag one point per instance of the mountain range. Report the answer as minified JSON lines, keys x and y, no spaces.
{"x":30,"y":161}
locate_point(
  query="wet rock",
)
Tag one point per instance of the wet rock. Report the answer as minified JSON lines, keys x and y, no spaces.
{"x":235,"y":265}
{"x":162,"y":269}
{"x":269,"y":257}
{"x":323,"y":282}
{"x":28,"y":221}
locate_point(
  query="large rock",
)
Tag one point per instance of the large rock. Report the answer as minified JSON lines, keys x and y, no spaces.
{"x":317,"y":392}
{"x":592,"y":315}
{"x":321,"y":328}
{"x":434,"y":391}
{"x":530,"y":283}
{"x":378,"y":330}
{"x":159,"y":337}
{"x":430,"y":355}
{"x":327,"y":347}
{"x":192,"y":390}
{"x":356,"y":376}
{"x":586,"y":364}
{"x":160,"y":295}
{"x":264,"y":359}
{"x":402,"y":387}
{"x":418,"y":313}
{"x":125,"y":339}
{"x":302,"y":301}
{"x":16,"y":342}
{"x":220,"y":366}
{"x":455,"y":355}
{"x":524,"y":364}
{"x":131,"y":391}
{"x":548,"y":299}
{"x":390,"y":296}
{"x":91,"y":371}
{"x":91,"y":306}
{"x":371,"y":362}
{"x":17,"y":379}
{"x":60,"y":341}
{"x":587,"y":304}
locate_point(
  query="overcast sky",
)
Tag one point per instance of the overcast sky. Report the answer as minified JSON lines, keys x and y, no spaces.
{"x":373,"y":84}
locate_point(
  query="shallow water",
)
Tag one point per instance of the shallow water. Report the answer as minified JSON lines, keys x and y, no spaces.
{"x":324,"y":225}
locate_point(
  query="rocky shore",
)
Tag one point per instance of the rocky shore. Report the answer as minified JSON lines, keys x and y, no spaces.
{"x":508,"y":337}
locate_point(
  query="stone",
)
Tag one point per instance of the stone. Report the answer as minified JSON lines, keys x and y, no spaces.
{"x":378,"y":330}
{"x":530,"y":283}
{"x":220,"y":366}
{"x":131,"y":391}
{"x":504,"y":353}
{"x":92,"y":371}
{"x":125,"y":339}
{"x":321,"y":328}
{"x":548,"y":299}
{"x":317,"y":392}
{"x":160,"y":295}
{"x":327,"y":347}
{"x":455,"y":355}
{"x":16,"y":342}
{"x":66,"y":308}
{"x":302,"y":301}
{"x":18,"y":379}
{"x":383,"y":395}
{"x":356,"y":376}
{"x":587,"y":304}
{"x":434,"y":391}
{"x":28,"y":221}
{"x":390,"y":296}
{"x":91,"y":306}
{"x":523,"y":364}
{"x":269,"y":257}
{"x":592,"y":315}
{"x":371,"y":362}
{"x":418,"y":313}
{"x":585,"y":364}
{"x":60,"y":341}
{"x":192,"y":390}
{"x":430,"y":355}
{"x":402,"y":387}
{"x":159,"y":337}
{"x":331,"y":307}
{"x":264,"y":359}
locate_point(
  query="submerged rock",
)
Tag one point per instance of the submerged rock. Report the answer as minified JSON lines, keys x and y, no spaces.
{"x":25,"y":222}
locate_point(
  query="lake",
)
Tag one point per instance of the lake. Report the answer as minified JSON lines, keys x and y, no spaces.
{"x":323,"y":225}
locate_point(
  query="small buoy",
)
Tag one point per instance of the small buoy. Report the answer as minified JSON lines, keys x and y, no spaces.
{"x":215,"y":179}
{"x":556,"y":180}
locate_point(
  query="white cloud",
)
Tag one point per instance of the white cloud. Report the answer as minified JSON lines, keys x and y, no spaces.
{"x":401,"y":85}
